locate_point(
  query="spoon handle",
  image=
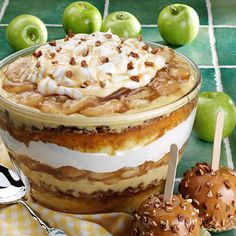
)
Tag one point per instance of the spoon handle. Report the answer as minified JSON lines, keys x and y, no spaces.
{"x":51,"y":231}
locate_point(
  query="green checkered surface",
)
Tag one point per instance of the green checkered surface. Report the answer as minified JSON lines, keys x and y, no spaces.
{"x":214,"y":50}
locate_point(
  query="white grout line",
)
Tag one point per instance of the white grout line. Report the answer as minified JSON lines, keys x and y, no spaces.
{"x":219,"y":86}
{"x":105,"y":13}
{"x":4,"y":6}
{"x":224,"y":26}
{"x":228,"y":153}
{"x":221,"y":66}
{"x":228,"y":66}
{"x":54,"y":25}
{"x":205,"y":66}
{"x":149,"y":26}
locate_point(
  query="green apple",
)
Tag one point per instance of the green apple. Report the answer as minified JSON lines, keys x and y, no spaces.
{"x":25,"y":31}
{"x":122,"y":24}
{"x":178,"y":24}
{"x":82,"y":17}
{"x":209,"y":104}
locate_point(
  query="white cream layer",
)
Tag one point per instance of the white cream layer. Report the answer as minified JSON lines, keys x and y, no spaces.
{"x":57,"y":156}
{"x":52,"y":78}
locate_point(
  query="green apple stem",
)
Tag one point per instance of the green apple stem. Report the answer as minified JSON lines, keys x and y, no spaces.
{"x":173,"y":10}
{"x":170,"y":180}
{"x":121,"y":17}
{"x":217,"y":141}
{"x":31,"y":36}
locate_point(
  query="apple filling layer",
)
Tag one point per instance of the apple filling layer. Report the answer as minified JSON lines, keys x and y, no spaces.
{"x":97,"y":74}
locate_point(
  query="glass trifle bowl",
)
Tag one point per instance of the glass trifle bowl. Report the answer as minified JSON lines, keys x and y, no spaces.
{"x":89,"y":119}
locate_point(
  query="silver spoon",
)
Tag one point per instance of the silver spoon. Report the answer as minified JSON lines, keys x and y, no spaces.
{"x":12,"y":190}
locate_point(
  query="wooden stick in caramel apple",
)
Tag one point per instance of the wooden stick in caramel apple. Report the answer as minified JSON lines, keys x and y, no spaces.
{"x":217,"y":141}
{"x":170,"y":180}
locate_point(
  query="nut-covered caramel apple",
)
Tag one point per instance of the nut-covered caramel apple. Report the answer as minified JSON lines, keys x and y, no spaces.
{"x":156,"y":217}
{"x":213,"y":193}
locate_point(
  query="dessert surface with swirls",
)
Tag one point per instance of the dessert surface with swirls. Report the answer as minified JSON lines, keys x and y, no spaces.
{"x":96,"y":75}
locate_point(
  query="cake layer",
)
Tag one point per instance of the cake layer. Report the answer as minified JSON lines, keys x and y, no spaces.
{"x":57,"y":156}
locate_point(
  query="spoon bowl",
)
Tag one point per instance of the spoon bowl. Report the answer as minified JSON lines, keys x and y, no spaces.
{"x":13,"y":189}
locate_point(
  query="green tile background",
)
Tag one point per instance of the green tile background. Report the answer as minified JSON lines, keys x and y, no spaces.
{"x":147,"y":11}
{"x":224,"y":12}
{"x":225,"y":44}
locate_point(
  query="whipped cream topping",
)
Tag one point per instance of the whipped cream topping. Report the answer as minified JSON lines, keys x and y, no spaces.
{"x":96,"y":64}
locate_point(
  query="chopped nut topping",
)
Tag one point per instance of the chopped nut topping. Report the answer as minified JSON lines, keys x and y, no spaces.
{"x":209,"y":194}
{"x":199,"y":189}
{"x":149,"y":63}
{"x":52,"y":54}
{"x":51,"y":76}
{"x":184,"y":206}
{"x":58,"y":49}
{"x":98,"y":43}
{"x":102,"y":84}
{"x":37,"y":54}
{"x":72,"y":61}
{"x":153,"y":223}
{"x":130,"y":65}
{"x":145,"y":47}
{"x":85,"y":84}
{"x":199,"y":172}
{"x":133,"y":54}
{"x":165,"y":225}
{"x":83,"y":39}
{"x":169,"y":208}
{"x":181,"y":217}
{"x":104,"y":59}
{"x":187,"y":223}
{"x":84,"y":64}
{"x":204,"y":166}
{"x":69,"y":74}
{"x":174,"y":228}
{"x":119,"y":49}
{"x":223,"y":223}
{"x":70,"y":33}
{"x":205,"y":206}
{"x":209,"y":184}
{"x":217,"y":206}
{"x":136,"y":216}
{"x":219,"y":195}
{"x":85,"y":53}
{"x":38,"y":64}
{"x":54,"y":62}
{"x":108,"y":36}
{"x":52,"y":43}
{"x":227,"y":184}
{"x":234,"y":203}
{"x":154,"y":50}
{"x":140,"y":38}
{"x":196,"y":202}
{"x":135,"y":78}
{"x":185,"y":184}
{"x":191,"y":228}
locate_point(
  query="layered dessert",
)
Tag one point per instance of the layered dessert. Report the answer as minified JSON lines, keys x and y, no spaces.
{"x":89,"y":119}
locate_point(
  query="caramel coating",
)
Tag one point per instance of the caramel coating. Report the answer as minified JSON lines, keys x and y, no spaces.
{"x":213,"y":193}
{"x":154,"y":218}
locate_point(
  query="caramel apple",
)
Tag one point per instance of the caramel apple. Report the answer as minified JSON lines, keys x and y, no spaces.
{"x":213,"y":193}
{"x":156,"y":217}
